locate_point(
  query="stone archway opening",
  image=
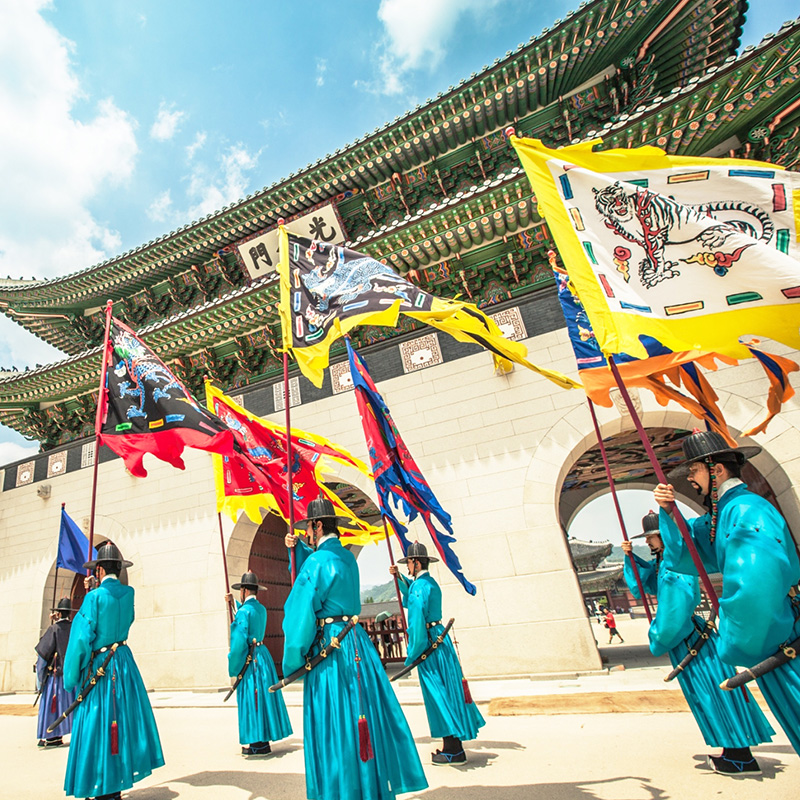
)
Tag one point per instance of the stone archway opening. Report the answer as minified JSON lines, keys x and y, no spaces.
{"x":585,"y":493}
{"x":260,"y":548}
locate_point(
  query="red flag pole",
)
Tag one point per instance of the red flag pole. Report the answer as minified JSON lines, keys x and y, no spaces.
{"x":225,"y":565}
{"x":396,"y":580}
{"x":662,"y":478}
{"x":289,"y":488}
{"x":98,"y":424}
{"x":622,"y":527}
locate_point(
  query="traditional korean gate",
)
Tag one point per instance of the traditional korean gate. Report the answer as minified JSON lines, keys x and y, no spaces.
{"x":269,"y":559}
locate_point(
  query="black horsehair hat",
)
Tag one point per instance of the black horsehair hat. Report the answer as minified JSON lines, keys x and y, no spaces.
{"x":249,"y":581}
{"x":107,"y":552}
{"x":415,"y":551}
{"x":701,"y":445}
{"x":64,"y":604}
{"x":322,"y":508}
{"x":649,"y":525}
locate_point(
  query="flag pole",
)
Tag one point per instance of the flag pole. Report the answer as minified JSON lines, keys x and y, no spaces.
{"x":289,"y":487}
{"x":58,"y":552}
{"x":662,"y":478}
{"x":396,"y":580}
{"x":98,"y":423}
{"x":225,"y":566}
{"x":622,"y":527}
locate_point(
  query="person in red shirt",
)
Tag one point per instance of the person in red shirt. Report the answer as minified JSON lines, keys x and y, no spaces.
{"x":611,"y":624}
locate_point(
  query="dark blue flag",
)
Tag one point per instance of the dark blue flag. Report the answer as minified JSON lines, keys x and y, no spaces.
{"x":73,"y":546}
{"x":398,"y":479}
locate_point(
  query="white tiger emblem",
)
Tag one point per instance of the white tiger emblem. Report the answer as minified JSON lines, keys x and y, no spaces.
{"x":653,"y":221}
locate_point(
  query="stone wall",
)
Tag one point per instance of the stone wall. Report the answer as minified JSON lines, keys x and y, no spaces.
{"x":495,"y":450}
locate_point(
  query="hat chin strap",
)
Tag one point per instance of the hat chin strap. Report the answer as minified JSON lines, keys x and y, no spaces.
{"x":712,"y":535}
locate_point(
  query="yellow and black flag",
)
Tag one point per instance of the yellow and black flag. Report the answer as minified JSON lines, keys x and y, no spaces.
{"x":326,"y":290}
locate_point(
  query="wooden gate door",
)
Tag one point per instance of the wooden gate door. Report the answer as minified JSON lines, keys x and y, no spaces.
{"x":78,"y":592}
{"x":269,"y":559}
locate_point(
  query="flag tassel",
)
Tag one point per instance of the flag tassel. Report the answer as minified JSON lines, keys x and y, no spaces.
{"x":53,"y":705}
{"x":114,"y":738}
{"x":256,"y":694}
{"x":364,"y":742}
{"x":467,"y":694}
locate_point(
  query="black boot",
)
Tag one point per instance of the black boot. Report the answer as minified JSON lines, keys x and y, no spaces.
{"x":452,"y":752}
{"x":257,"y":749}
{"x":734,"y":761}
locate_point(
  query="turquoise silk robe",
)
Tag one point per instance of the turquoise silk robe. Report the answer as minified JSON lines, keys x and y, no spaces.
{"x":726,"y":719}
{"x":756,"y":555}
{"x":262,"y":716}
{"x":440,"y":675}
{"x":348,"y":684}
{"x":105,"y":617}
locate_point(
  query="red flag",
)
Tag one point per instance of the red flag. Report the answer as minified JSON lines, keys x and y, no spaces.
{"x":144,"y":408}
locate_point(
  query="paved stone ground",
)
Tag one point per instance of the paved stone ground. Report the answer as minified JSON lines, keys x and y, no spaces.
{"x":565,"y":757}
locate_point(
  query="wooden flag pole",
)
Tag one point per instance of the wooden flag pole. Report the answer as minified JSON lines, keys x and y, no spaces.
{"x":225,"y":566}
{"x":662,"y":478}
{"x":98,"y":423}
{"x":289,"y":487}
{"x":622,"y":527}
{"x":396,"y":579}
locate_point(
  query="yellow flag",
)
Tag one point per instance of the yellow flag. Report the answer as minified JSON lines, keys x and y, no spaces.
{"x":253,"y":477}
{"x":327,"y":290}
{"x":694,"y":252}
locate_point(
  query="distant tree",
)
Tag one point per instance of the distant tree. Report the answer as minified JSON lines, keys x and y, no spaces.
{"x":368,"y":599}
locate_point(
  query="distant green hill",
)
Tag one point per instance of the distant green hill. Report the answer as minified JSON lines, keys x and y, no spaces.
{"x":380,"y":594}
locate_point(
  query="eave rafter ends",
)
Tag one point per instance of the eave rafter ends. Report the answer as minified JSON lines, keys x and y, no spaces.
{"x":724,"y":92}
{"x":562,"y":50}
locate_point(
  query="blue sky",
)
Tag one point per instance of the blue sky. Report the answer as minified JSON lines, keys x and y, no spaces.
{"x":123,"y":121}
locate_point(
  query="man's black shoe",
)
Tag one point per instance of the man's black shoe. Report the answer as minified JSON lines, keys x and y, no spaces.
{"x":257,"y":749}
{"x":55,"y":742}
{"x":441,"y":758}
{"x":730,"y":766}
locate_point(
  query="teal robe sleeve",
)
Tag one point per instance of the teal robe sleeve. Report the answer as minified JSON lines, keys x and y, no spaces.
{"x":678,"y":596}
{"x":417,"y":604}
{"x":404,"y":584}
{"x":300,"y":616}
{"x":79,"y":649}
{"x":239,"y":644}
{"x":676,"y":554}
{"x":758,"y":571}
{"x":648,"y":572}
{"x":301,"y":552}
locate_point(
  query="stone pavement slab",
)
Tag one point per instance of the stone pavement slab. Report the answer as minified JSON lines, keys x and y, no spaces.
{"x":570,"y":757}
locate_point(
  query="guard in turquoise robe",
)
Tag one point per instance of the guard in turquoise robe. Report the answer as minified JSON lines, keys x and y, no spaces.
{"x":731,"y":720}
{"x":747,"y":541}
{"x":262,"y":715}
{"x":357,"y":742}
{"x":114,"y":740}
{"x":452,"y":716}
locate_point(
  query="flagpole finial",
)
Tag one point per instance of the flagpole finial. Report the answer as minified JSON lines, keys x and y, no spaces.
{"x":109,"y":303}
{"x":281,"y":221}
{"x":62,"y":505}
{"x":511,"y":131}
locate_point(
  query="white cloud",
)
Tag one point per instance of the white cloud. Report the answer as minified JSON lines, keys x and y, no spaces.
{"x":322,"y":68}
{"x":55,"y":162}
{"x":417,"y":34}
{"x":11,"y":452}
{"x":167,"y":122}
{"x":209,"y":191}
{"x":159,"y":210}
{"x":197,"y":144}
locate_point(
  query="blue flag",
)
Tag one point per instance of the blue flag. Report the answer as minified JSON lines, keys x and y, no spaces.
{"x":398,"y":479}
{"x":72,"y":545}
